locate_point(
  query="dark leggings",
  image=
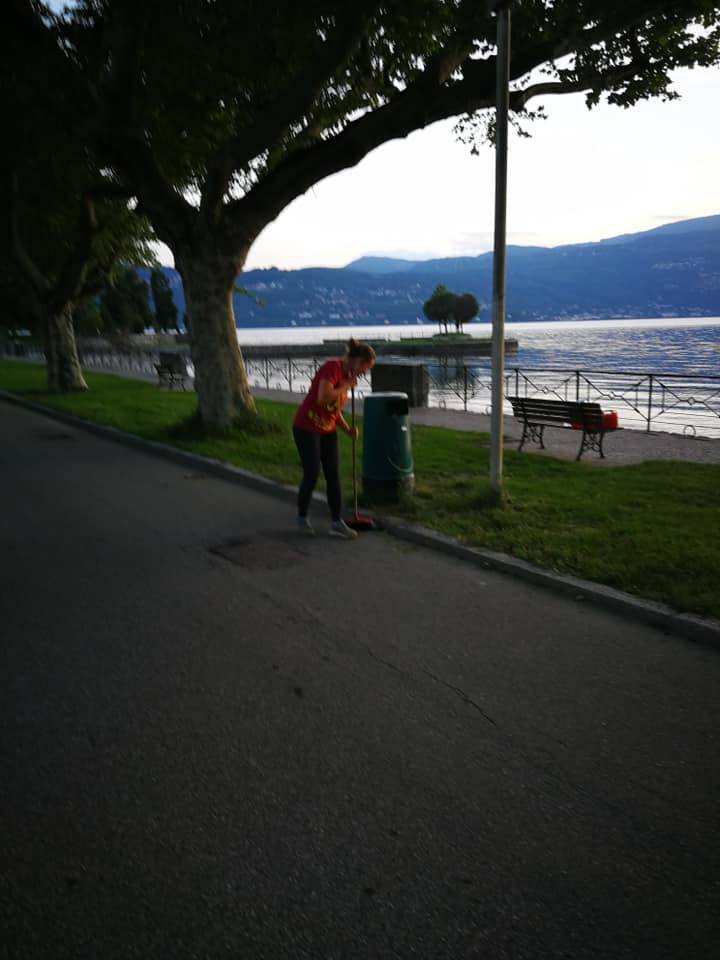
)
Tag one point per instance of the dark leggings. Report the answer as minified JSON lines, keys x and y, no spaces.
{"x":316,"y":449}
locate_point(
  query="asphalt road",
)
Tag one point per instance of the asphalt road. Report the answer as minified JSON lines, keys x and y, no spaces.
{"x":221,"y":741}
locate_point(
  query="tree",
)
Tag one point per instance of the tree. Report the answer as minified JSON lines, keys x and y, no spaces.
{"x":64,"y":266}
{"x":87,"y":316}
{"x":17,"y":307}
{"x":466,"y":307}
{"x":67,"y":222}
{"x":124,"y":302}
{"x":165,"y":309}
{"x":215,"y":141}
{"x":440,"y":307}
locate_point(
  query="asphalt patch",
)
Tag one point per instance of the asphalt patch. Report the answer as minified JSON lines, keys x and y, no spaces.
{"x":259,"y":553}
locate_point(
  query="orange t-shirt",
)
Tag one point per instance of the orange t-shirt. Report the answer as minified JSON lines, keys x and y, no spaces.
{"x":321,"y":417}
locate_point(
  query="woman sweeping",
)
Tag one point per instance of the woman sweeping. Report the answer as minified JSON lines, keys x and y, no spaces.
{"x":315,"y":432}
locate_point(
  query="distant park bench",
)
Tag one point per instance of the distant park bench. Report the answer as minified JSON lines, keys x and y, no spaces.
{"x":538,"y":413}
{"x":171,"y":370}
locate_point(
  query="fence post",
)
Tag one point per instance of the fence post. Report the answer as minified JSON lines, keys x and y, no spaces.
{"x":650,"y":393}
{"x":577,"y":386}
{"x":267,"y":374}
{"x":290,"y":374}
{"x":465,"y":388}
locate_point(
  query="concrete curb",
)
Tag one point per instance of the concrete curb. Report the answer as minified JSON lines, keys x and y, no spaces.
{"x":694,"y":628}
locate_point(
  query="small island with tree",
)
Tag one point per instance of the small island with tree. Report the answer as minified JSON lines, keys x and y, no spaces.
{"x":444,"y":307}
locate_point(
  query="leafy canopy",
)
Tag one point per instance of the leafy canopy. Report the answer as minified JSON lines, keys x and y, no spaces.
{"x":260,"y":100}
{"x":69,"y":217}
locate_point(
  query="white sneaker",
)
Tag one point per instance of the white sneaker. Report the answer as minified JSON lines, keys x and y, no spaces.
{"x":305,"y":527}
{"x":338,"y":528}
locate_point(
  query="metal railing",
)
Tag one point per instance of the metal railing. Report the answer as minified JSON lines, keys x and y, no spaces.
{"x":673,"y":402}
{"x":134,"y":362}
{"x":682,"y":403}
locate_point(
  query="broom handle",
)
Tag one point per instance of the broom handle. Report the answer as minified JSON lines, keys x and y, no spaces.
{"x":354,"y":453}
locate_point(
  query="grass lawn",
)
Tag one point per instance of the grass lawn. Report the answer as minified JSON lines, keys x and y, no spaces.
{"x":651,"y":529}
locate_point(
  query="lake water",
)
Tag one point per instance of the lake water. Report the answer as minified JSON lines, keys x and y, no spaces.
{"x":657,"y":372}
{"x":662,"y":346}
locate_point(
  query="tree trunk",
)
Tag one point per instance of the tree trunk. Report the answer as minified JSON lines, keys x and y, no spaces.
{"x":50,"y":349}
{"x":63,"y":364}
{"x":221,"y":380}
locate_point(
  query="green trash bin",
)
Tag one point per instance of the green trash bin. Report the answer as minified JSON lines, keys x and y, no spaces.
{"x":387,"y":461}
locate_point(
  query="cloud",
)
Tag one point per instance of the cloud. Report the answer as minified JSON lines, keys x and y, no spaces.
{"x":406,"y":253}
{"x":471,"y":244}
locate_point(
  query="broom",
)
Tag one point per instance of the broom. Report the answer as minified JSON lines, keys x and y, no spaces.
{"x":357,"y":521}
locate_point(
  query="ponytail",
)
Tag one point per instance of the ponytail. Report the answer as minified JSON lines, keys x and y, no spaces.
{"x":356,"y":348}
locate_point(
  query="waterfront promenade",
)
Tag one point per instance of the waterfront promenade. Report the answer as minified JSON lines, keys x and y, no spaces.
{"x":222,"y":741}
{"x":621,"y":447}
{"x":671,"y":435}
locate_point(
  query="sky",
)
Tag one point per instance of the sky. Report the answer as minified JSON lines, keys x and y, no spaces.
{"x":582,"y":176}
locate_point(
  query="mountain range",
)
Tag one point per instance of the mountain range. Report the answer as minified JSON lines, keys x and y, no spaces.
{"x":670,"y":271}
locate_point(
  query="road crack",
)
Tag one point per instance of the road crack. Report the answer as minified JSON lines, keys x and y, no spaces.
{"x":462,"y":694}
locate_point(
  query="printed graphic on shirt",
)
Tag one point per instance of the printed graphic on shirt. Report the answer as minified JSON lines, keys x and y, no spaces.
{"x":316,"y":416}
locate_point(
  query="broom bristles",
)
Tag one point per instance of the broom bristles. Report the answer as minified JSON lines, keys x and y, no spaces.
{"x":358,"y":522}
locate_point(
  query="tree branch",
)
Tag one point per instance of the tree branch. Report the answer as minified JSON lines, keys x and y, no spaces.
{"x":72,"y":276}
{"x":588,"y":81}
{"x":428,"y":99}
{"x":119,"y":135}
{"x":125,"y":34}
{"x":172,"y":215}
{"x":289,"y":104}
{"x":124,"y":146}
{"x":34,"y":275}
{"x":419,"y":105}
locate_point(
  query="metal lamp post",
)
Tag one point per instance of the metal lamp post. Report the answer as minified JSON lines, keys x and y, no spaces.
{"x":502,"y":11}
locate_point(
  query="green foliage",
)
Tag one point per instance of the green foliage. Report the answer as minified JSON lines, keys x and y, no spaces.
{"x":174,"y":77}
{"x":124,"y":303}
{"x":466,"y":307}
{"x":49,"y":153}
{"x":444,"y":306}
{"x":440,"y":307}
{"x":17,"y":307}
{"x":198,"y":92}
{"x":88,"y":317}
{"x":165,"y":310}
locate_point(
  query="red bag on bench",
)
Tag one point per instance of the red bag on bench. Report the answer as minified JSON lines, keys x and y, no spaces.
{"x":610,"y":420}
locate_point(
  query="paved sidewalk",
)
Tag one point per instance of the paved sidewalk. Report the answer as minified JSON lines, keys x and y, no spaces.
{"x":221,"y":740}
